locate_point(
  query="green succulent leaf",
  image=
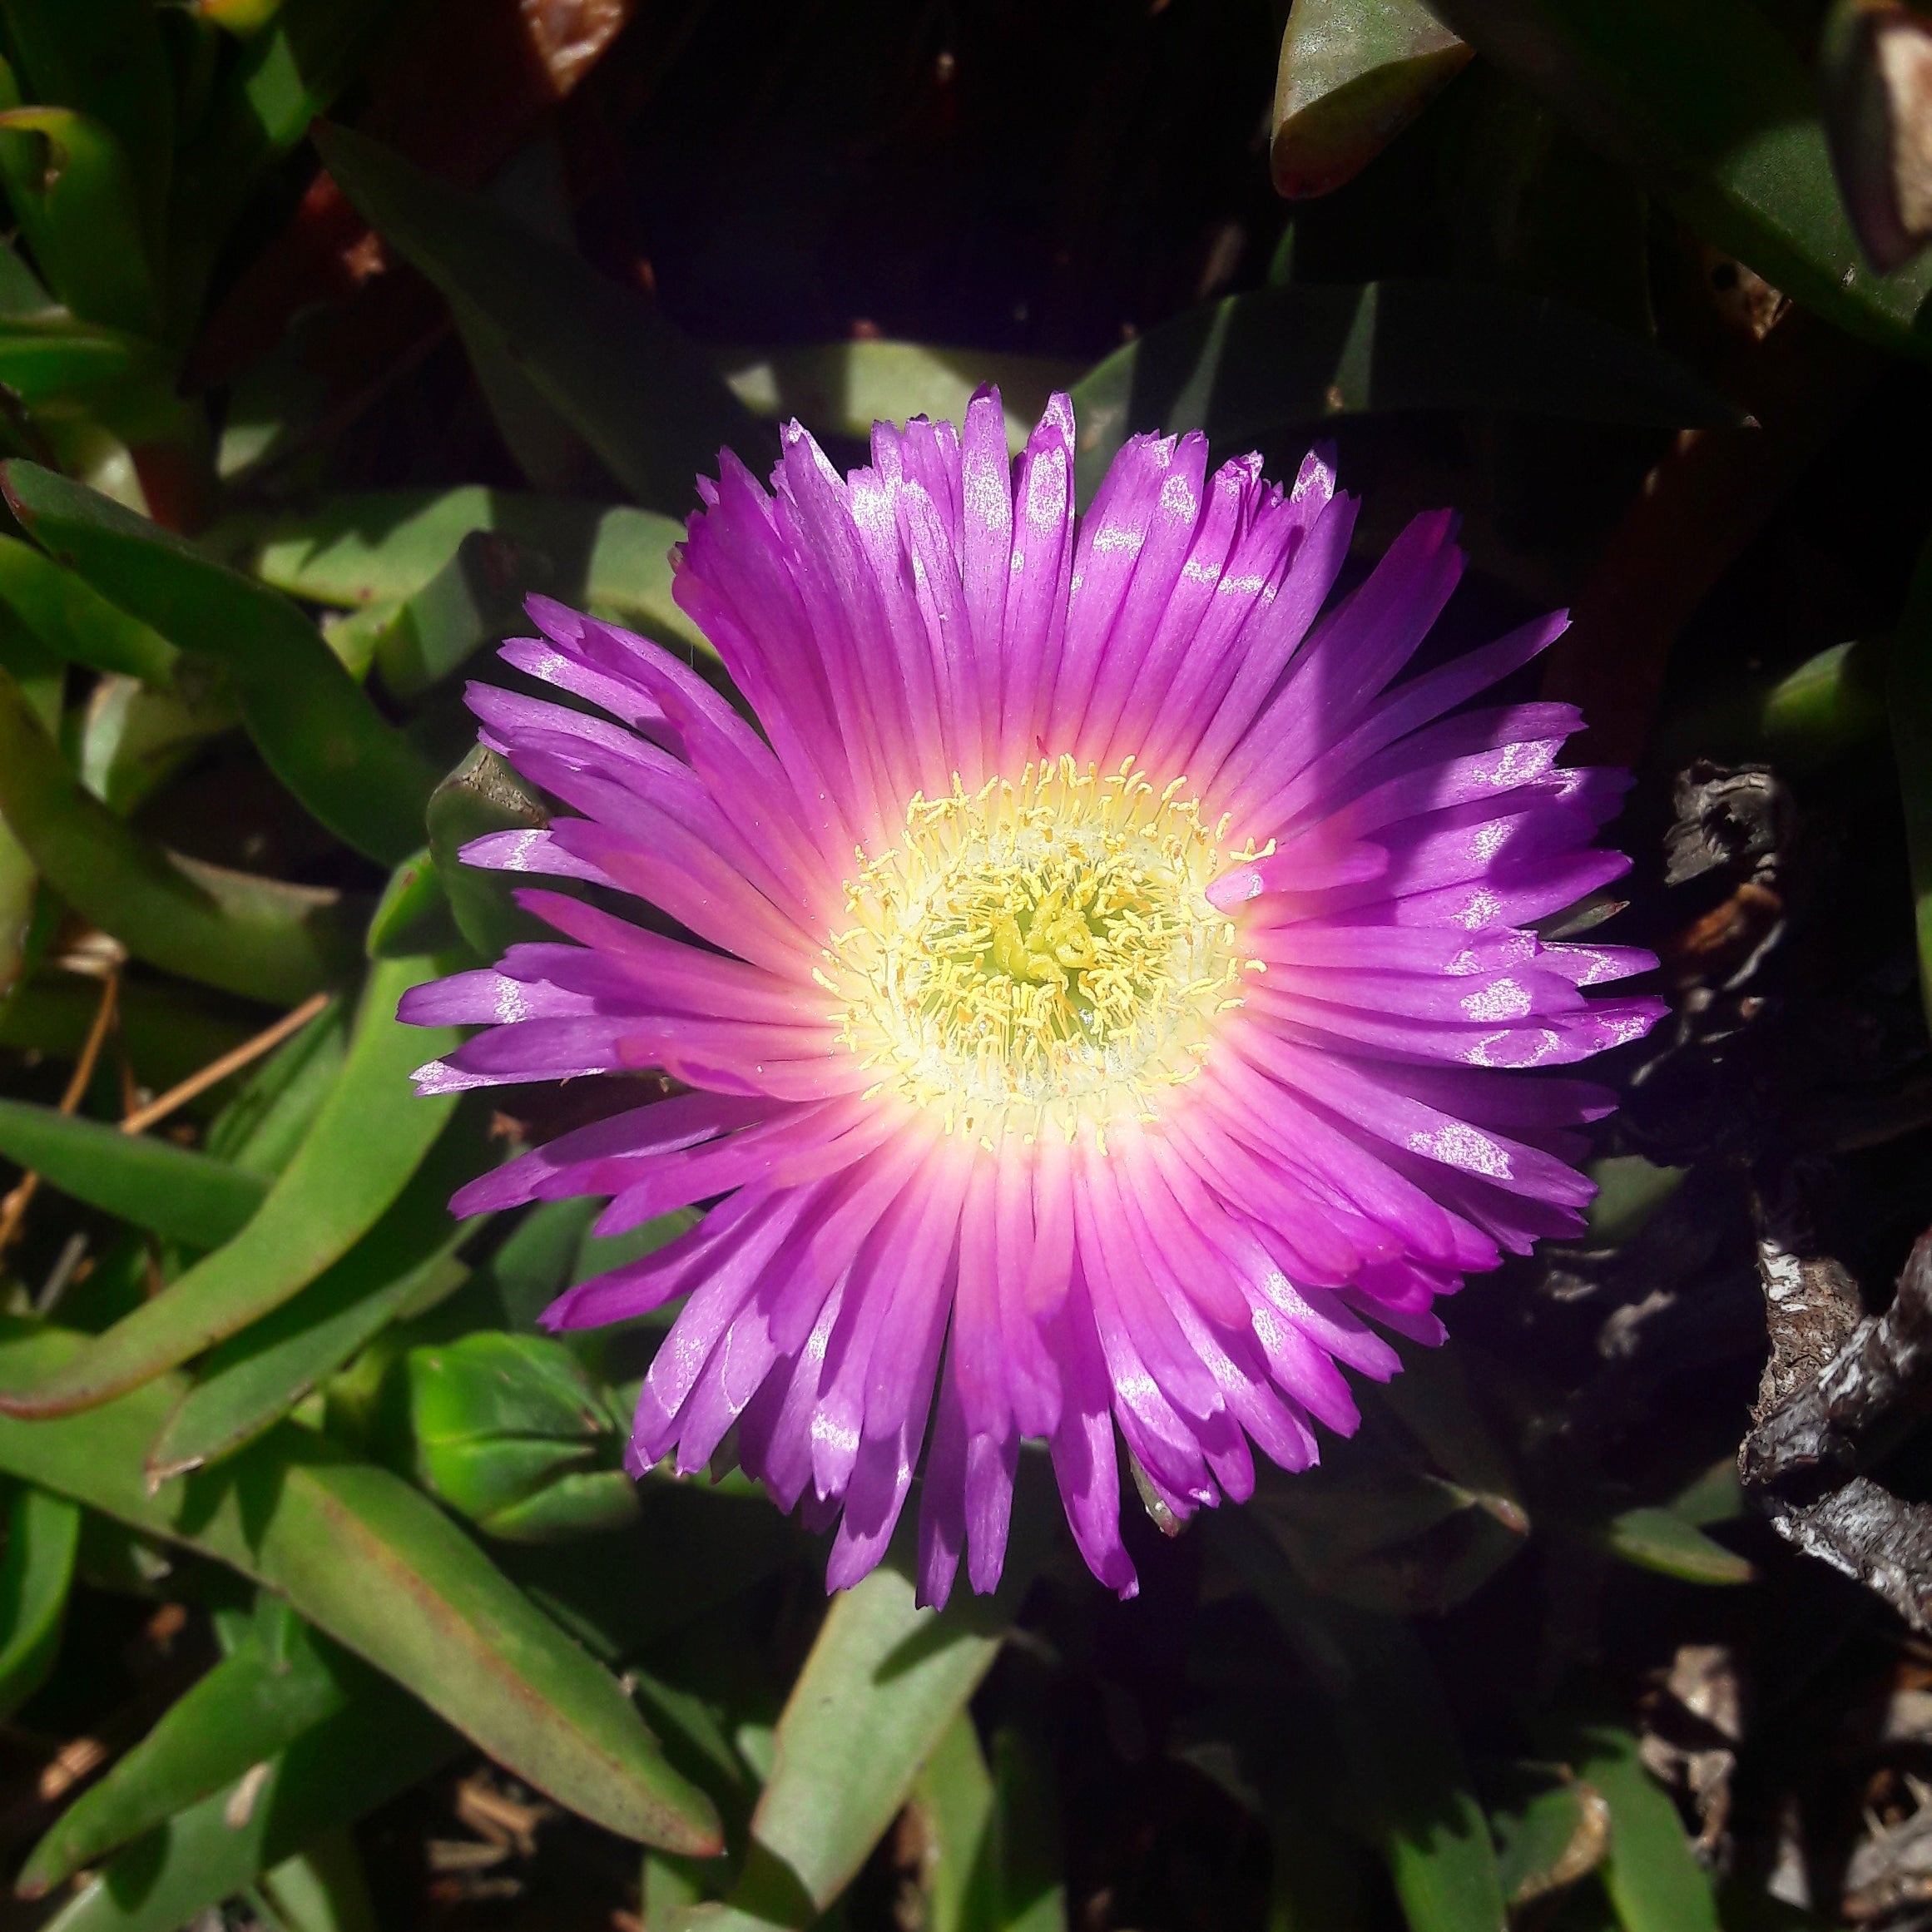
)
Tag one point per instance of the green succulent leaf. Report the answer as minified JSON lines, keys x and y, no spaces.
{"x":846,"y":387}
{"x":375,"y":1564}
{"x":323,"y":1887}
{"x":1653,"y":1875}
{"x":1556,"y":1835}
{"x":317,"y":729}
{"x":953,"y":1795}
{"x":641,"y":395}
{"x":1354,"y":73}
{"x":43,"y":1531}
{"x":1712,"y":110}
{"x":59,"y":367}
{"x":883,"y":1684}
{"x":73,"y":621}
{"x":245,"y":934}
{"x":1662,"y":1540}
{"x":78,"y":200}
{"x":368,"y":1137}
{"x":412,"y":915}
{"x":360,"y":550}
{"x":170,"y":1030}
{"x":276,"y":1684}
{"x":171,"y":1191}
{"x":268,"y":1117}
{"x":264,"y":100}
{"x":405,"y":1262}
{"x":344,"y":1766}
{"x":484,"y":795}
{"x":135,"y":738}
{"x":108,"y":60}
{"x":1406,"y":1767}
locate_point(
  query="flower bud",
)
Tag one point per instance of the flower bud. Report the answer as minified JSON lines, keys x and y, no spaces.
{"x":508,"y":1430}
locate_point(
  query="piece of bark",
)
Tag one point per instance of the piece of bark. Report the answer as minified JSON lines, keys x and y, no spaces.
{"x":1861,"y":1403}
{"x":1839,"y":1389}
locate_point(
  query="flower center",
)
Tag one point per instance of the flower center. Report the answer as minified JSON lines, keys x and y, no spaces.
{"x":1038,"y":951}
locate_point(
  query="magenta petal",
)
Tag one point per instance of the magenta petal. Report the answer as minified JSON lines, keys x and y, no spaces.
{"x":1194,"y":1267}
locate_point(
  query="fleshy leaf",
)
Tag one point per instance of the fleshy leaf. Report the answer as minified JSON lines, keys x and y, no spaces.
{"x":251,"y":1706}
{"x":319,"y":732}
{"x":376,"y":1564}
{"x":1712,"y":109}
{"x":1354,"y":74}
{"x":43,"y":1531}
{"x":405,"y":1261}
{"x":245,"y":934}
{"x":172,"y":1191}
{"x":76,"y":193}
{"x":883,"y":1683}
{"x":345,"y":1765}
{"x":368,"y":1137}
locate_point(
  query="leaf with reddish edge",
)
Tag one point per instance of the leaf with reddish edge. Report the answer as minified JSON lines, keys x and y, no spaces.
{"x":1354,"y":74}
{"x":368,"y":1138}
{"x":372,"y":1563}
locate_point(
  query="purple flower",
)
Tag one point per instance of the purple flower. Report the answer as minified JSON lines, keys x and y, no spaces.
{"x":1108,"y":993}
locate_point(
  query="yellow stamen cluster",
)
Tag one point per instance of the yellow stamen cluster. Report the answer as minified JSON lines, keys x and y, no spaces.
{"x":1039,"y":952}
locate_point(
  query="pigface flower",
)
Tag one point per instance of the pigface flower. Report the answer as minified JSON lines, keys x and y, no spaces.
{"x":1103,"y":986}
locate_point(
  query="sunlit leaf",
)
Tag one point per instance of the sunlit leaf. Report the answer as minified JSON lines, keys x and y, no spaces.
{"x":483,"y":794}
{"x":318,"y":732}
{"x":509,"y":1431}
{"x":404,"y":1262}
{"x":322,"y":1889}
{"x":1354,"y":73}
{"x":135,"y":738}
{"x":376,"y":1565}
{"x":953,"y":1795}
{"x":359,"y":550}
{"x":347,"y":1765}
{"x":73,"y":621}
{"x":1653,"y":1876}
{"x":173,"y":1192}
{"x":846,"y":387}
{"x":412,"y":915}
{"x":269,"y":1115}
{"x":883,"y":1683}
{"x":77,"y":196}
{"x":1661,"y":1540}
{"x":368,"y":1137}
